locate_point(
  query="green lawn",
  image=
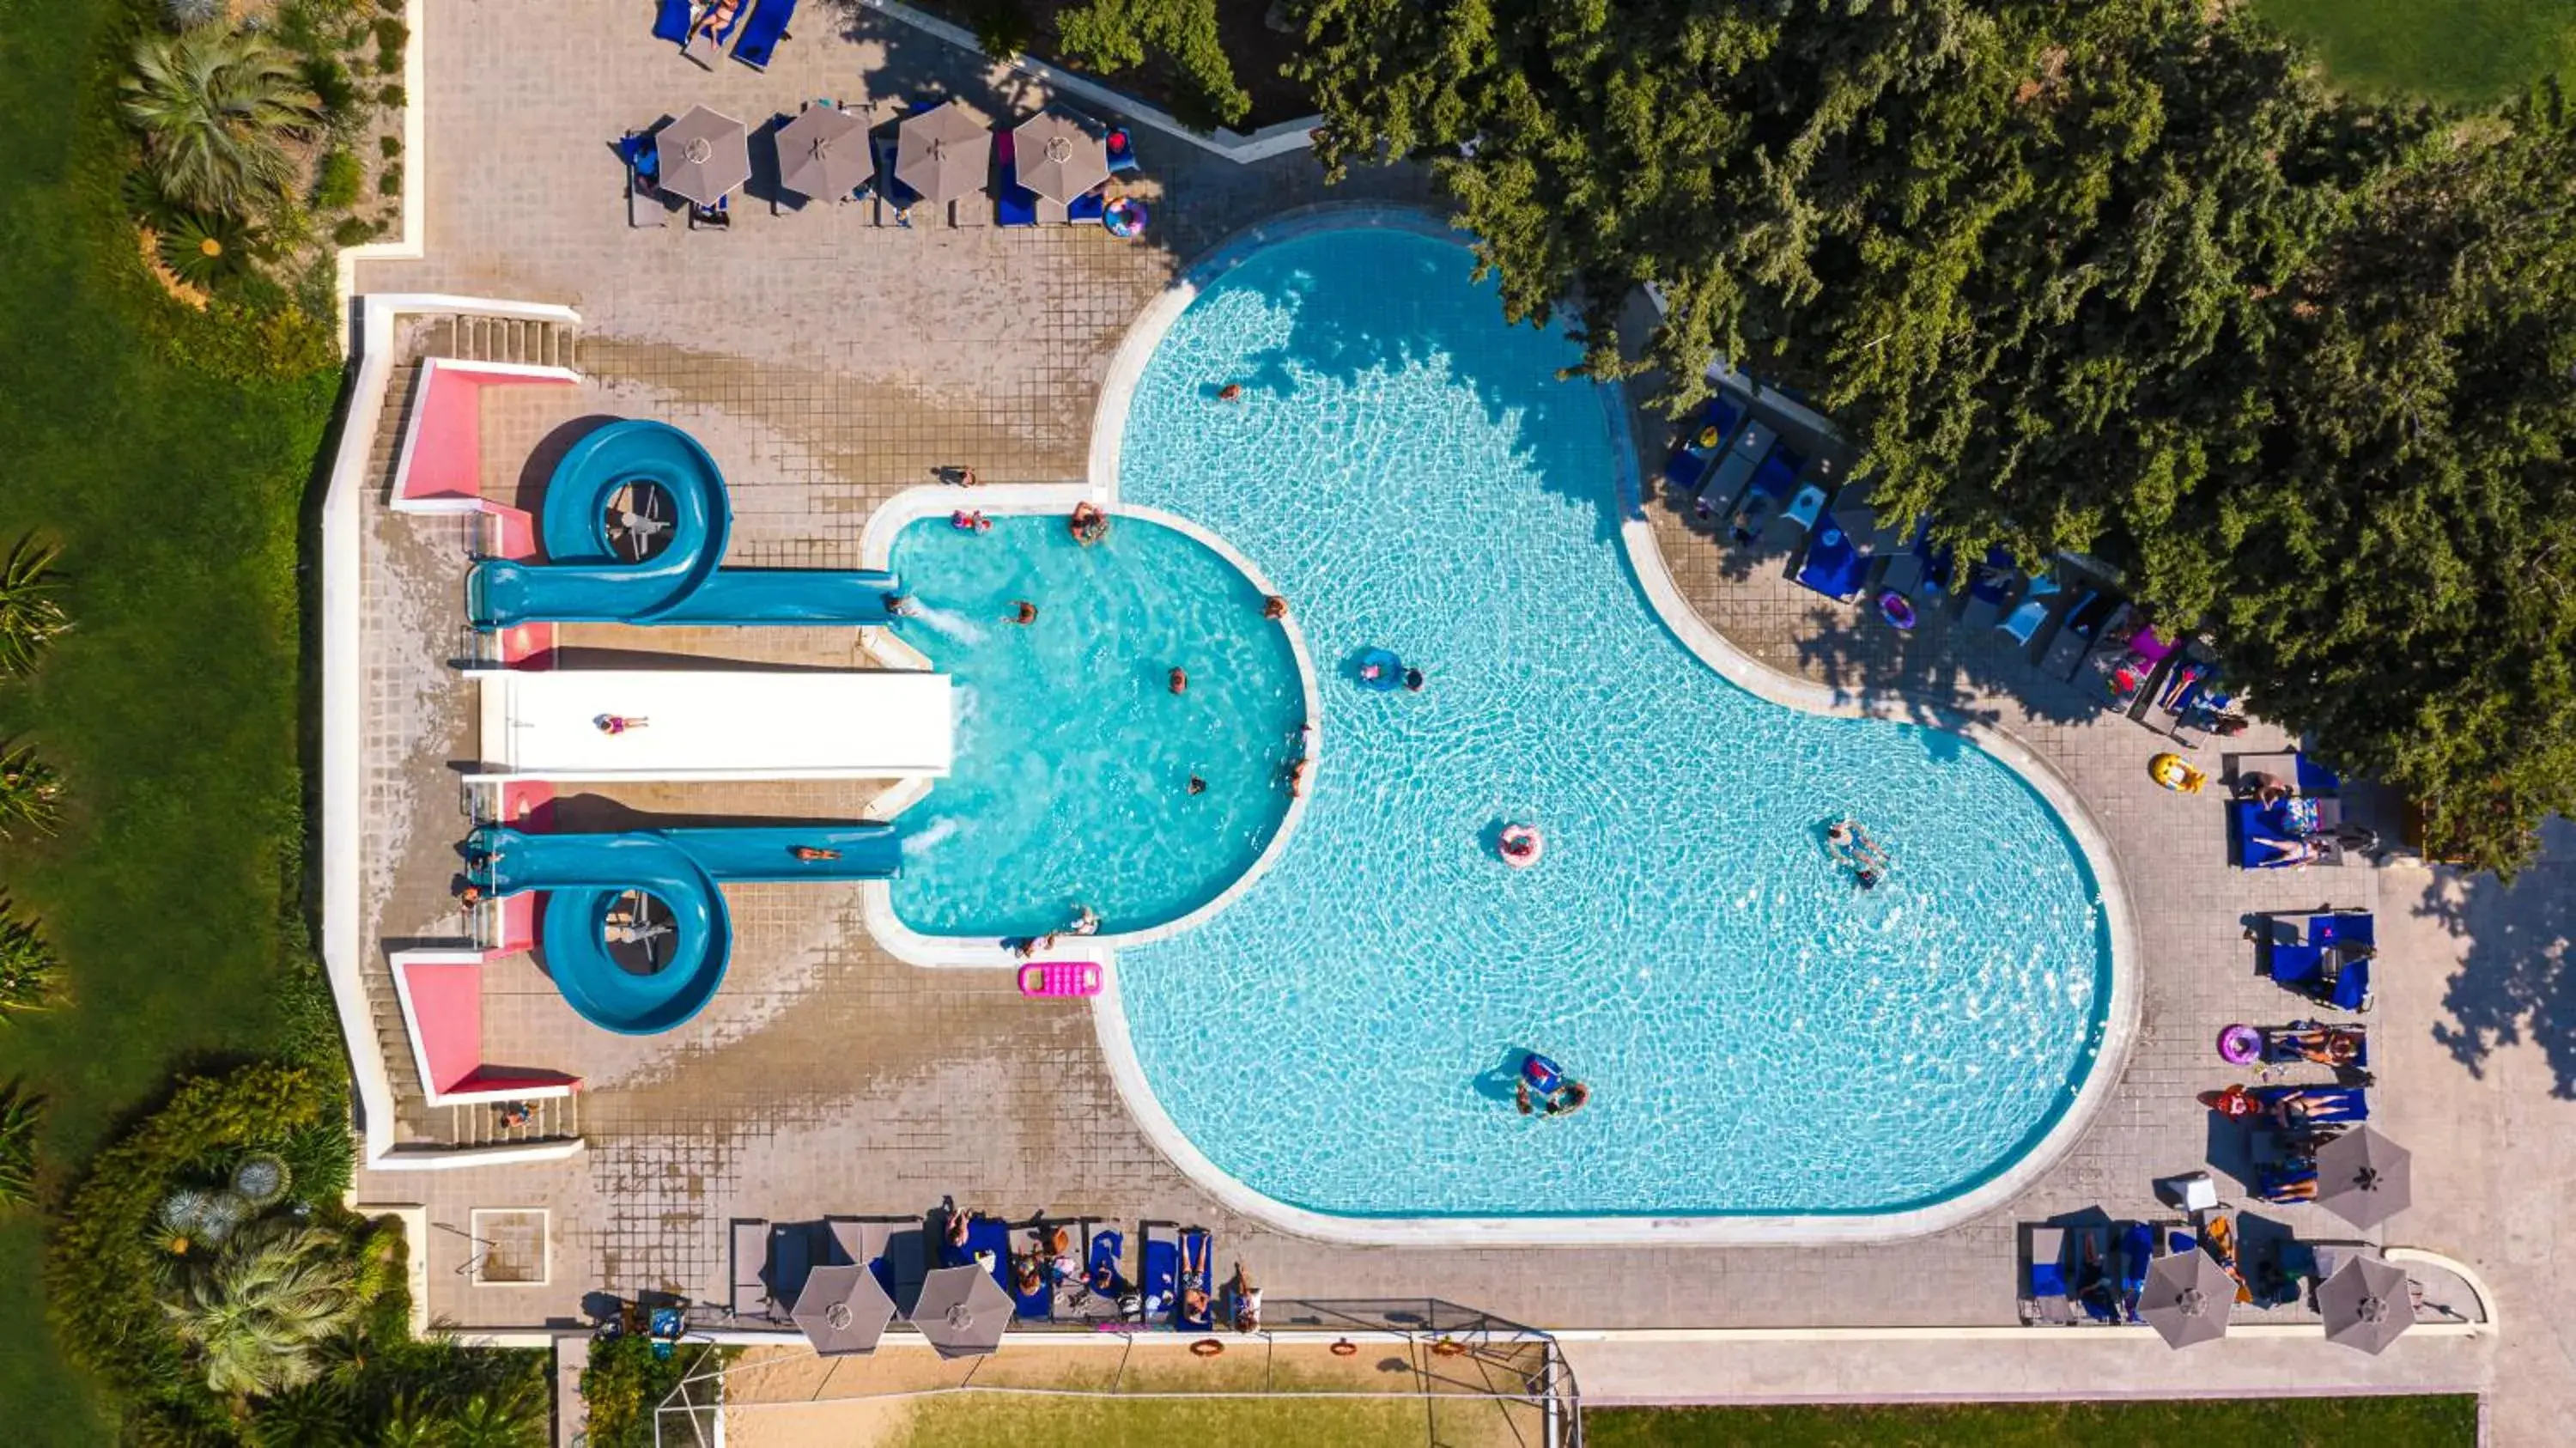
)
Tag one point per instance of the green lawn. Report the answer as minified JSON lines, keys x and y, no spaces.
{"x":2447,"y":1422}
{"x":171,"y":709}
{"x":2466,"y":50}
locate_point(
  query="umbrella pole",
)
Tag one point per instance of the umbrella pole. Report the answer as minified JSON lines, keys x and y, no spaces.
{"x":830,"y":1366}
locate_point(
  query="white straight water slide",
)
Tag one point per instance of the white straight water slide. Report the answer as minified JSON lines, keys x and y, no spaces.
{"x":690,"y":724}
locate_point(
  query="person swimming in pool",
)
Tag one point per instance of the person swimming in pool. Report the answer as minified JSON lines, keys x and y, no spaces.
{"x":1023,"y":611}
{"x":1273,"y":606}
{"x":810,"y":854}
{"x":1179,"y":679}
{"x":1569,"y":1099}
{"x":1090,"y":524}
{"x":1853,"y":846}
{"x":1413,"y":680}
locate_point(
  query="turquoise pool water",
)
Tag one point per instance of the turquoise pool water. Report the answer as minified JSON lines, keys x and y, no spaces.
{"x":1760,"y":1036}
{"x":1071,"y":783}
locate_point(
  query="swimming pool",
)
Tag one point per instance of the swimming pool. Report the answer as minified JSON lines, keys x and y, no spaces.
{"x":1762,"y":1039}
{"x":1071,"y":785}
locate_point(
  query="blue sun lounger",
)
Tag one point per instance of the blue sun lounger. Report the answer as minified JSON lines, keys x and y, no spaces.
{"x":760,"y":38}
{"x":1198,"y":1269}
{"x":2281,"y":1183}
{"x":671,"y":22}
{"x":2279,"y":1049}
{"x":1037,"y":1305}
{"x":1092,"y":205}
{"x":2322,"y":1105}
{"x":2253,"y":827}
{"x":1102,"y":1266}
{"x":2045,"y":1303}
{"x":1689,"y":461}
{"x":1990,"y":587}
{"x":1835,"y":565}
{"x":1772,"y":484}
{"x":1162,"y":1285}
{"x":2137,"y":1254}
{"x":2096,"y":1280}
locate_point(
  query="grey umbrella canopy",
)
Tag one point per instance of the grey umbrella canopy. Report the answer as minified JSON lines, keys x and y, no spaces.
{"x":842,"y":1310}
{"x":2367,"y":1304}
{"x":1057,"y":159}
{"x":2364,"y":1178}
{"x":823,"y":152}
{"x":2187,"y":1298}
{"x":943,"y":153}
{"x":704,"y":154}
{"x":962,"y":1311}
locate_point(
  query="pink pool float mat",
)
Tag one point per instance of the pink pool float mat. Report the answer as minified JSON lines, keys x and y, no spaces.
{"x":1060,"y":979}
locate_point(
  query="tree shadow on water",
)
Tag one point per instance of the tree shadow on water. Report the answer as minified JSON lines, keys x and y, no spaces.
{"x":2513,"y":981}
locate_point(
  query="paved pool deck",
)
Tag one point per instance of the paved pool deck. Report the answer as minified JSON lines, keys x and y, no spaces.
{"x":828,"y":361}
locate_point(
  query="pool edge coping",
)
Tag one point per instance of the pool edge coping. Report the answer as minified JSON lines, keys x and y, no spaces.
{"x":1711,"y":647}
{"x":876,"y":550}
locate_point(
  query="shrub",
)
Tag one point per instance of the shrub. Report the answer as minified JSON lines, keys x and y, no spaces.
{"x":334,"y":91}
{"x":20,"y":1117}
{"x":254,"y":1316}
{"x":262,"y":1179}
{"x":31,"y":794}
{"x":1113,"y":35}
{"x":211,"y":104}
{"x":31,"y":617}
{"x":391,"y":97}
{"x":622,"y":1385}
{"x":206,"y":251}
{"x":390,"y":37}
{"x":30,"y":976}
{"x":354,"y":231}
{"x":245,"y":343}
{"x":390,"y":145}
{"x":1002,"y":28}
{"x":337,"y":181}
{"x":389,"y":181}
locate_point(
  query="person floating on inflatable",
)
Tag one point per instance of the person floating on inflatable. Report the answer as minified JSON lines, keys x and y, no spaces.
{"x":1090,"y":523}
{"x":2173,"y":773}
{"x":616,"y":724}
{"x":1543,"y":1081}
{"x":970,"y":521}
{"x":1521,"y":846}
{"x":1852,"y":846}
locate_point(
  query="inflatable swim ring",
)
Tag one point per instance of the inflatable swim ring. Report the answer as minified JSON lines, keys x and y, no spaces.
{"x":1522,"y":845}
{"x":2239,"y":1045}
{"x":1543,"y":1075}
{"x":1898,"y":613}
{"x":1125,"y":218}
{"x":2170,"y":771}
{"x":1380,"y":669}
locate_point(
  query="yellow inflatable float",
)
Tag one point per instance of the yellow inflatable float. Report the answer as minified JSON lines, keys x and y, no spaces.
{"x":2170,"y":771}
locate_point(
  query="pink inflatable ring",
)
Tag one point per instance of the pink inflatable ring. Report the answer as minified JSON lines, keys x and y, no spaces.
{"x":2240,"y":1045}
{"x":1521,"y":845}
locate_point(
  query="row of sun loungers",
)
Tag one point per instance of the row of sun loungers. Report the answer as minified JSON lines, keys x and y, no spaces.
{"x":761,"y":24}
{"x":771,"y":1261}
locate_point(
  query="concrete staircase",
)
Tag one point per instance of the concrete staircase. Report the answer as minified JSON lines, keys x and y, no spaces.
{"x":499,"y":339}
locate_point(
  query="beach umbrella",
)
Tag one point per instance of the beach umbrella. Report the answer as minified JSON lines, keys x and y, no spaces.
{"x":962,"y":1311}
{"x":823,"y":152}
{"x":842,"y":1310}
{"x":705,"y":154}
{"x":1057,"y":159}
{"x":943,"y":153}
{"x":2187,"y":1298}
{"x":2364,"y":1178}
{"x":2367,"y":1304}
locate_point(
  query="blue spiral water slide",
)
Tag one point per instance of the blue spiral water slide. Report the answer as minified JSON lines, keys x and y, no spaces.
{"x":583,"y":580}
{"x":586,"y":876}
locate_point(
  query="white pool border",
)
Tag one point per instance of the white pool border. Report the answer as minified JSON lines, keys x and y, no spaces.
{"x":1646,"y":561}
{"x":876,"y":550}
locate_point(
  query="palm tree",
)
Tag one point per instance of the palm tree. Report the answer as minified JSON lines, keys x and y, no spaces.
{"x":211,"y":104}
{"x":30,"y":976}
{"x":31,"y":793}
{"x":20,"y":1115}
{"x":256,"y":1315}
{"x":30,"y":616}
{"x":498,"y":1417}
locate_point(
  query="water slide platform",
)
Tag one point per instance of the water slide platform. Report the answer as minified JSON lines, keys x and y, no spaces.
{"x":605,"y":725}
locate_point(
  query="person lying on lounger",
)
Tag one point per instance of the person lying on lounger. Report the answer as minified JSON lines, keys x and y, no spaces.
{"x":711,"y":20}
{"x":2325,"y":1045}
{"x":2289,"y":852}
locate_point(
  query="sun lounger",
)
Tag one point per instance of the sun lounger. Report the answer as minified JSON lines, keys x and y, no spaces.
{"x":1091,"y":205}
{"x":750,"y":1266}
{"x":2100,"y":614}
{"x":2343,"y":929}
{"x":2255,"y":829}
{"x":1104,"y":1277}
{"x":2137,"y":1254}
{"x":2096,"y":1287}
{"x":1037,"y":1304}
{"x":2282,"y":1045}
{"x":1773,"y":482}
{"x":2026,"y":620}
{"x":1990,"y":586}
{"x":2046,"y":1302}
{"x":671,"y":22}
{"x":891,"y":192}
{"x":986,"y":1237}
{"x":1122,"y":151}
{"x":1835,"y":566}
{"x":1734,"y":469}
{"x":1689,"y":459}
{"x":718,"y":217}
{"x":2294,"y":1181}
{"x":1806,"y":507}
{"x":1940,"y":565}
{"x":1900,"y":568}
{"x":760,"y":38}
{"x":1162,"y":1280}
{"x":895,"y":1250}
{"x":793,"y":1248}
{"x":1198,"y":1269}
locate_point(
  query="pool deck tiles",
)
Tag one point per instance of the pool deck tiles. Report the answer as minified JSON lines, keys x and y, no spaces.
{"x":829,"y":362}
